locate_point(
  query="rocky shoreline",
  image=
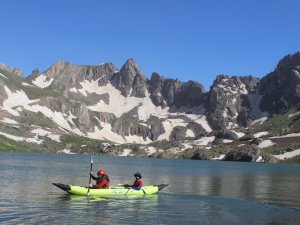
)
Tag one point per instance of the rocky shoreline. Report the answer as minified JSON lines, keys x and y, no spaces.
{"x":226,"y":152}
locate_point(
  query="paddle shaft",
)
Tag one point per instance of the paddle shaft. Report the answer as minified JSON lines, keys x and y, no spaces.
{"x":91,"y":168}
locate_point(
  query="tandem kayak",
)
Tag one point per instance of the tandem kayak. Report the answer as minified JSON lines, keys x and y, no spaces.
{"x":112,"y":191}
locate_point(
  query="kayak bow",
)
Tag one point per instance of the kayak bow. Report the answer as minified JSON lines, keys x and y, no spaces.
{"x":112,"y":191}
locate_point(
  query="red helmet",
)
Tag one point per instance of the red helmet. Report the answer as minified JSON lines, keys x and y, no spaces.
{"x":101,"y":172}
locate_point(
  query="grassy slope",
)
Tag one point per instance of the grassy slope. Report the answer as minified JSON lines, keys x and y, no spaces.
{"x":11,"y":145}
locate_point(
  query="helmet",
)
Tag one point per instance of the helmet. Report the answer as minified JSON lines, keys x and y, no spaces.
{"x":101,"y":172}
{"x":138,"y":175}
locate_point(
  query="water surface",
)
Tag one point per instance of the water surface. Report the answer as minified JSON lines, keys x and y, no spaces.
{"x":199,"y":192}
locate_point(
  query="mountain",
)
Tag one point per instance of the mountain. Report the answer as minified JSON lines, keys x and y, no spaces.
{"x":121,"y":112}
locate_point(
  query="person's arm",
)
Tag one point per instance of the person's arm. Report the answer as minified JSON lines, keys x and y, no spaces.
{"x":93,"y":176}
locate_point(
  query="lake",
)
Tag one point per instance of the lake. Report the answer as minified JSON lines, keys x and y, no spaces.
{"x":199,"y":192}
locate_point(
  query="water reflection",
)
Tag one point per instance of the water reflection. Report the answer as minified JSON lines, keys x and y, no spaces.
{"x":198,"y":191}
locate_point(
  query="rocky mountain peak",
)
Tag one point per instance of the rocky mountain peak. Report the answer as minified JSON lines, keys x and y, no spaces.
{"x":16,"y":70}
{"x":131,"y":69}
{"x":34,"y":74}
{"x":290,"y":61}
{"x":227,"y":100}
{"x":130,"y":80}
{"x":281,"y":88}
{"x":172,"y":92}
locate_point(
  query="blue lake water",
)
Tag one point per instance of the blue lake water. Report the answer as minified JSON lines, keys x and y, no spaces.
{"x":199,"y":192}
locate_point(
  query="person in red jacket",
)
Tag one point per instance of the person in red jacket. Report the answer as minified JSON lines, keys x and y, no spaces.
{"x":138,"y":183}
{"x":102,"y":180}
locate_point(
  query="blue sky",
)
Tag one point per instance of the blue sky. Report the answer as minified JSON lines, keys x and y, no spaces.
{"x":184,"y":39}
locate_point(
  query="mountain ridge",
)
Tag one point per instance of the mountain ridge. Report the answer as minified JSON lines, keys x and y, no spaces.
{"x":123,"y":106}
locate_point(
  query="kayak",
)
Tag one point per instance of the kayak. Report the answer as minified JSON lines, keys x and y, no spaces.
{"x":112,"y":191}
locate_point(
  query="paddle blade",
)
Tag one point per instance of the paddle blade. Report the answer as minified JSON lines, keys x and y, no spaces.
{"x":161,"y":186}
{"x":92,"y":158}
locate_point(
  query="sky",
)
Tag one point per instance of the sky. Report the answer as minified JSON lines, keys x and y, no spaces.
{"x":183,"y":39}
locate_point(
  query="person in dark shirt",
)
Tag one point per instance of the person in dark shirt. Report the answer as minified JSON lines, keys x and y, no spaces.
{"x":138,"y":183}
{"x":102,"y":180}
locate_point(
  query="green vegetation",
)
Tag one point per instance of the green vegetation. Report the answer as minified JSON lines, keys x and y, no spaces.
{"x":178,"y":133}
{"x":75,"y":142}
{"x":293,"y":160}
{"x":39,"y":119}
{"x":127,"y":120}
{"x":295,"y":124}
{"x":281,"y":124}
{"x":154,"y":120}
{"x":11,"y":145}
{"x":281,"y":148}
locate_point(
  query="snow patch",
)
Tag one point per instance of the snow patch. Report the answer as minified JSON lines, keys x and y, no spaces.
{"x":17,"y":138}
{"x":288,"y":155}
{"x":169,"y":125}
{"x":260,"y":121}
{"x":186,"y":146}
{"x":288,"y":135}
{"x":67,"y":151}
{"x":42,"y":81}
{"x":2,"y":75}
{"x":57,"y":117}
{"x":118,"y":104}
{"x":260,"y":134}
{"x":150,"y":150}
{"x":293,"y":114}
{"x":203,"y":122}
{"x":48,"y":134}
{"x":239,"y":134}
{"x":106,"y":133}
{"x":189,"y":133}
{"x":221,"y":157}
{"x":137,"y":139}
{"x":9,"y":136}
{"x":26,"y":84}
{"x":204,"y":140}
{"x":265,"y":144}
{"x":126,"y":152}
{"x":259,"y":159}
{"x":9,"y":121}
{"x":255,"y":100}
{"x":14,"y":99}
{"x":227,"y":141}
{"x":73,"y":90}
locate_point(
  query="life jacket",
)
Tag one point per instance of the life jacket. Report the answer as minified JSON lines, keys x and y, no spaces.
{"x":137,"y":183}
{"x":102,"y":182}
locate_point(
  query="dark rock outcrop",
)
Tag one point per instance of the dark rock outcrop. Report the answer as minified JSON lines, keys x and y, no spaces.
{"x":226,"y":106}
{"x":243,"y":155}
{"x":130,"y":80}
{"x":169,"y":92}
{"x":281,"y":88}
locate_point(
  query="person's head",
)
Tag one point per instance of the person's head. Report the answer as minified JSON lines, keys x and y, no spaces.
{"x":138,"y":175}
{"x":101,"y":172}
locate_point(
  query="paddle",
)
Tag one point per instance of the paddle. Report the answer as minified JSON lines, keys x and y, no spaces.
{"x":91,"y":168}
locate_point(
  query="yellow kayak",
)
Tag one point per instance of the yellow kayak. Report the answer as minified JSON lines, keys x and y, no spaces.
{"x":112,"y":191}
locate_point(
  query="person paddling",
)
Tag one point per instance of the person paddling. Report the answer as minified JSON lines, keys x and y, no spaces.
{"x":138,"y":183}
{"x":102,"y":180}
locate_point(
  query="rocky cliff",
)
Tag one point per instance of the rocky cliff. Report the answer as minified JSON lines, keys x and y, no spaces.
{"x":102,"y":103}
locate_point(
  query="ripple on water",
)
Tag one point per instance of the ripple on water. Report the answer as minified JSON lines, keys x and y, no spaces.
{"x":165,"y":208}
